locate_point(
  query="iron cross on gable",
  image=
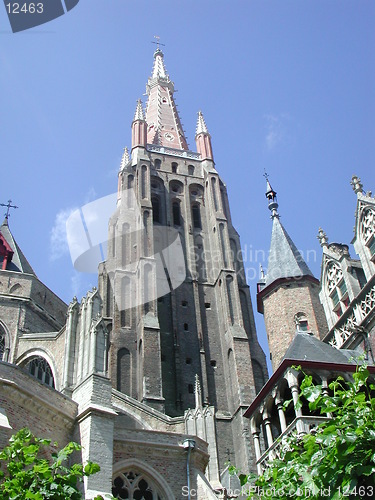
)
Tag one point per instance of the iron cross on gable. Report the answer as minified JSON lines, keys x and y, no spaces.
{"x":9,"y":206}
{"x":157,"y":43}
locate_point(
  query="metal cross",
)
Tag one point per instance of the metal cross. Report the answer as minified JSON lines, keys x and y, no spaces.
{"x":9,"y":206}
{"x":265,"y":174}
{"x":157,"y":43}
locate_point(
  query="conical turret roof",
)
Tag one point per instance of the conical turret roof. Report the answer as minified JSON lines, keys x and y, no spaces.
{"x":18,"y":261}
{"x":285,"y":260}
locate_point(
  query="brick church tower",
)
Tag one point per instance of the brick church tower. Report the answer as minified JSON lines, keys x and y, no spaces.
{"x":173,"y":282}
{"x":288,"y":296}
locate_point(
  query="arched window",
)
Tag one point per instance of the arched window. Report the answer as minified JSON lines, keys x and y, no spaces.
{"x":144,"y":181}
{"x":191,"y":169}
{"x":147,"y":288}
{"x":196,"y":213}
{"x":176,"y":212}
{"x":157,"y":163}
{"x":223,"y":246}
{"x":40,"y":369}
{"x":134,"y":485}
{"x":146,"y":243}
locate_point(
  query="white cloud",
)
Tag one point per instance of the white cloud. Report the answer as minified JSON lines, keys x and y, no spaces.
{"x":58,"y":240}
{"x":277,"y":130}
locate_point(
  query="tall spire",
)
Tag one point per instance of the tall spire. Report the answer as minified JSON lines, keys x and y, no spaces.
{"x":201,"y":124}
{"x":163,"y":121}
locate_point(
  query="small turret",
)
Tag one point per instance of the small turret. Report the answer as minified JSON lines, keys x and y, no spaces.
{"x":203,"y":139}
{"x":139,"y":127}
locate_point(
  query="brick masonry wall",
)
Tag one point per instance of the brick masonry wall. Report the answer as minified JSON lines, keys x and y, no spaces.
{"x":280,"y":308}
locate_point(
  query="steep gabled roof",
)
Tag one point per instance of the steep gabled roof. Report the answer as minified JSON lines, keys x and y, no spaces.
{"x":18,"y":261}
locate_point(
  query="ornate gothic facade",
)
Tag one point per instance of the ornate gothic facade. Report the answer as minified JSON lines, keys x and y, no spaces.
{"x":154,"y":370}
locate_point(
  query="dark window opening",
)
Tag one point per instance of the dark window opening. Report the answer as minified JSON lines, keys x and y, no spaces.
{"x":176,"y":213}
{"x":186,"y":327}
{"x":191,"y":389}
{"x":188,"y":361}
{"x":207,"y":305}
{"x":213,"y":363}
{"x":155,"y":209}
{"x":197,"y":223}
{"x":174,"y":168}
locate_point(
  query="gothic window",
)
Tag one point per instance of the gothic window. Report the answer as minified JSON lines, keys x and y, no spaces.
{"x":134,"y":485}
{"x":157,"y":163}
{"x":40,"y":369}
{"x":336,"y":288}
{"x":176,"y":187}
{"x":196,"y":213}
{"x":367,"y":229}
{"x":176,"y":212}
{"x":146,"y":243}
{"x":156,"y":216}
{"x":191,"y":169}
{"x":174,"y":168}
{"x":144,"y":181}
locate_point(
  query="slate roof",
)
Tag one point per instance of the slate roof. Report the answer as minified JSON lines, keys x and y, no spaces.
{"x":306,"y":347}
{"x":284,"y":261}
{"x":19,"y":263}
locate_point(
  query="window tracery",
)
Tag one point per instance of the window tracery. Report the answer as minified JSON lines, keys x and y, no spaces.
{"x":133,"y":485}
{"x":336,"y":287}
{"x":40,"y":369}
{"x":367,"y":229}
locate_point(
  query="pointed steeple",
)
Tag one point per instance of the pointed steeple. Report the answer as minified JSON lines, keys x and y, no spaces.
{"x":201,"y":124}
{"x":164,"y":124}
{"x":139,"y":127}
{"x":203,"y":139}
{"x":11,"y":256}
{"x":139,"y":114}
{"x":285,"y":261}
{"x":125,"y":159}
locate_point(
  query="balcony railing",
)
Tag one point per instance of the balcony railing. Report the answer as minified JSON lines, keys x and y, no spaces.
{"x":303,"y":425}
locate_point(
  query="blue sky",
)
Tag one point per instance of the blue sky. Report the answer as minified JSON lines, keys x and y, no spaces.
{"x":284,"y":86}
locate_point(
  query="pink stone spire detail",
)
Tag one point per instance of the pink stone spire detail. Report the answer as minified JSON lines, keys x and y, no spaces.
{"x":163,"y":122}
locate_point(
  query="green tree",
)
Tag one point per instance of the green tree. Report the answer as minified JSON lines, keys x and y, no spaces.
{"x":26,"y":474}
{"x":337,"y":459}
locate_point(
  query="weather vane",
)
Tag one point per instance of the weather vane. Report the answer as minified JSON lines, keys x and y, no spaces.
{"x":157,"y":43}
{"x":265,"y":174}
{"x":9,"y":206}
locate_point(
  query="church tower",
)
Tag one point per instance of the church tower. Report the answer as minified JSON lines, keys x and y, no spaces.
{"x":288,"y":296}
{"x":173,"y":283}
